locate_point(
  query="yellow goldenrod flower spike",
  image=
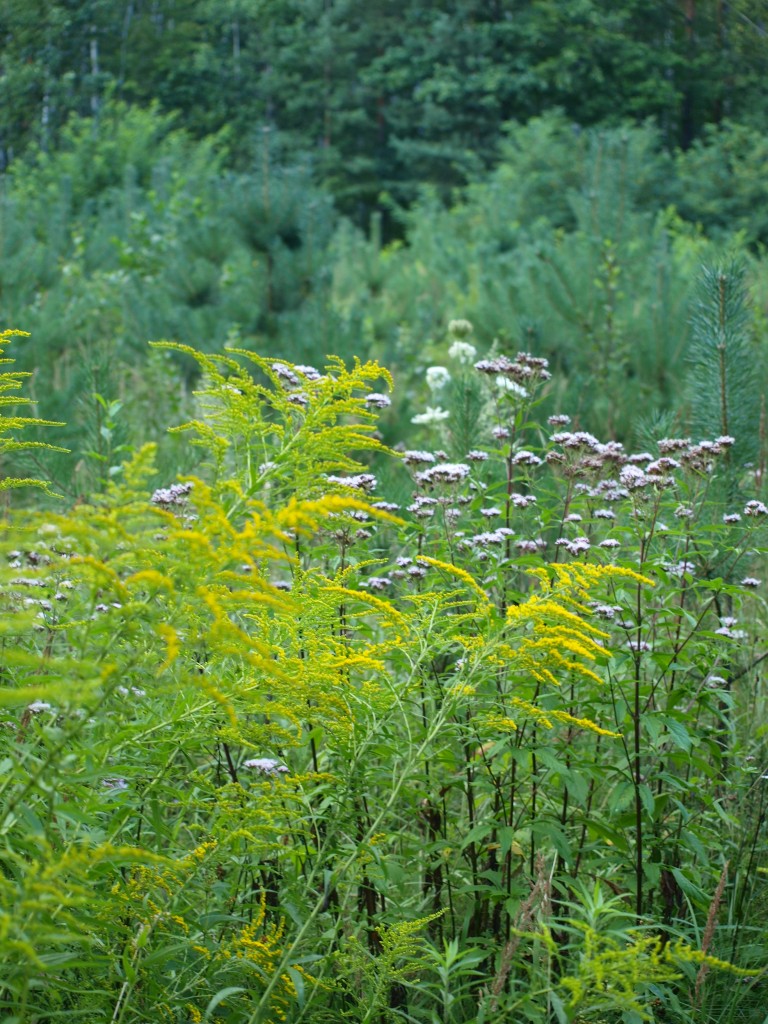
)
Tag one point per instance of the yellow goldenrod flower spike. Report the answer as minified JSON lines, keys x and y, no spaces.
{"x":460,"y":574}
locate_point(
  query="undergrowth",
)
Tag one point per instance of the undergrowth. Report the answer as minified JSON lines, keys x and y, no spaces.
{"x":482,"y":744}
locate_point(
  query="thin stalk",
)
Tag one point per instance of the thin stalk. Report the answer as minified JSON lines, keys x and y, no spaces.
{"x":637,"y":764}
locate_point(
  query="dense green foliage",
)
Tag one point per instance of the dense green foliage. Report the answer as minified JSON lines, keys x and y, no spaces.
{"x":384,"y":96}
{"x":421,"y":682}
{"x":583,"y":247}
{"x":138,"y":232}
{"x":276,"y":749}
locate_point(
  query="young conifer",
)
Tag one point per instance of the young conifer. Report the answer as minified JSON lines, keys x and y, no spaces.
{"x":725,"y":378}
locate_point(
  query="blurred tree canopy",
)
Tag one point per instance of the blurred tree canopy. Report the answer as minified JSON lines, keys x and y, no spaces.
{"x":383,"y":95}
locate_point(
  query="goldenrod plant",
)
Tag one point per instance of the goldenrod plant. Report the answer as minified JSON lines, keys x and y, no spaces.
{"x":11,"y":382}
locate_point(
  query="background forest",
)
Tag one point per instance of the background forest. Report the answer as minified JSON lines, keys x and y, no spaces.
{"x":382,"y":622}
{"x":335,"y":177}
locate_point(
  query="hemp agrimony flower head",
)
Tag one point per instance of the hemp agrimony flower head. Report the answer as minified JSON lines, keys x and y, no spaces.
{"x":422,"y":507}
{"x":414,"y":457}
{"x":530,"y":547}
{"x":378,"y":401}
{"x":633,"y":478}
{"x":376,"y":583}
{"x":579,"y":439}
{"x":526,"y":458}
{"x":445,"y":473}
{"x":699,"y":457}
{"x":488,"y":538}
{"x":285,"y":375}
{"x":358,"y":482}
{"x":176,"y":494}
{"x":583,"y":453}
{"x":673,"y":444}
{"x":576,"y":547}
{"x":38,"y":706}
{"x":309,"y":372}
{"x":525,"y":370}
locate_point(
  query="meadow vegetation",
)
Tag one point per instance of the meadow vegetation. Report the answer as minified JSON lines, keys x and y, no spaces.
{"x":383,"y":459}
{"x":280,"y":747}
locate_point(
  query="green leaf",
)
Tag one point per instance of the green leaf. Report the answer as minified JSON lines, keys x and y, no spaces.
{"x":690,"y":888}
{"x":679,"y":733}
{"x":298,"y":981}
{"x":647,"y":798}
{"x":218,"y":999}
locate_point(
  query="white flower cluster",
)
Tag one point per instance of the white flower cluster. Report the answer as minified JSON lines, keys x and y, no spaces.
{"x":460,"y":328}
{"x":444,"y":473}
{"x":378,"y":401}
{"x":266,"y":765}
{"x":577,"y":546}
{"x":437,"y":378}
{"x":176,"y":494}
{"x":462,"y":352}
{"x":488,"y":539}
{"x":511,"y":387}
{"x":431,"y":416}
{"x":530,"y":547}
{"x":415,"y":457}
{"x":358,"y":482}
{"x":376,"y":583}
